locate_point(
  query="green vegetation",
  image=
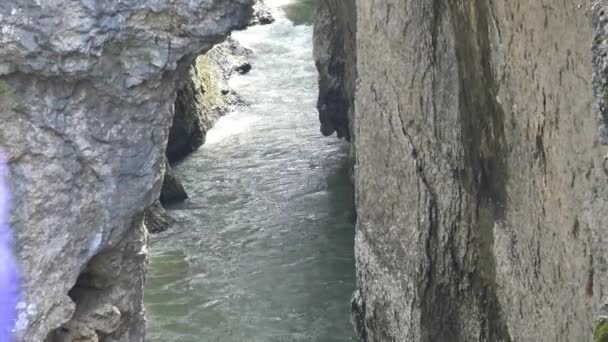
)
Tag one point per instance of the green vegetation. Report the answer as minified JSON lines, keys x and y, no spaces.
{"x":207,"y":80}
{"x":600,"y":333}
{"x":6,"y":90}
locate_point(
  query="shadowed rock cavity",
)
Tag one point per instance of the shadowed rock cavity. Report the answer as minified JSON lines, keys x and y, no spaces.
{"x":86,"y":97}
{"x":104,"y":309}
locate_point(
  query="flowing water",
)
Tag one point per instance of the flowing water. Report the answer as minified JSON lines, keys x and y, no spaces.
{"x":263,"y":249}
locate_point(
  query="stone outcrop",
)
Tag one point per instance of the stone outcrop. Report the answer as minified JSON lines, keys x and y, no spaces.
{"x":205,"y":97}
{"x":261,"y":14}
{"x":201,"y":101}
{"x":335,"y":59}
{"x":86,"y":96}
{"x":480,"y":187}
{"x":157,"y":219}
{"x":172,"y":190}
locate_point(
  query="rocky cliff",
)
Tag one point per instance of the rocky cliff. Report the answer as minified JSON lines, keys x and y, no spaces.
{"x":335,"y":59}
{"x":480,"y":185}
{"x":86,"y":96}
{"x":205,"y":97}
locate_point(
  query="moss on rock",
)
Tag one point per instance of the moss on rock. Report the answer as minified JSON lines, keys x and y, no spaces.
{"x":6,"y":90}
{"x":206,"y":78}
{"x":600,"y":333}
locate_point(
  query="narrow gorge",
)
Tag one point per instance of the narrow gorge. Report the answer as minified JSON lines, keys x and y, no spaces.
{"x":450,"y":184}
{"x":262,"y":248}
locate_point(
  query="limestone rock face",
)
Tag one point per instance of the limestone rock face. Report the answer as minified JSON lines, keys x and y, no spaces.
{"x":205,"y":97}
{"x":480,"y":190}
{"x":335,"y":59}
{"x":86,"y":96}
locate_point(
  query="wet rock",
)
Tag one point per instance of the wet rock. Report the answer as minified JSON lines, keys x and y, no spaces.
{"x":86,"y":96}
{"x":199,"y":105}
{"x":243,"y":68}
{"x":262,"y":14}
{"x":357,"y":308}
{"x":205,"y":97}
{"x":157,"y":219}
{"x":172,"y":190}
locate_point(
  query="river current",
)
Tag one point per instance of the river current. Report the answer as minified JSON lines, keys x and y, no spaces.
{"x":263,"y":248}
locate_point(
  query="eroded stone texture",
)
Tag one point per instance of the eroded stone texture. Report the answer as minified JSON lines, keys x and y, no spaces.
{"x":335,"y":59}
{"x":205,"y":97}
{"x":481,"y":194}
{"x":86,"y":96}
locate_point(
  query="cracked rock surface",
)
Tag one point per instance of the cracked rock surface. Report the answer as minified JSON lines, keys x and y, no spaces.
{"x":86,"y":96}
{"x":480,"y":187}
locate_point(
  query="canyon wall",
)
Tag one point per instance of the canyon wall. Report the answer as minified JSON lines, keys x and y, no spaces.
{"x":335,"y":59}
{"x":205,"y":97}
{"x":86,"y":96}
{"x":480,"y":183}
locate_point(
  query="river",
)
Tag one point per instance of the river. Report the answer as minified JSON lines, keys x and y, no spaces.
{"x":263,"y":248}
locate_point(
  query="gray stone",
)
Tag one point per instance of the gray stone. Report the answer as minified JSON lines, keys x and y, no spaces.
{"x":262,"y":14}
{"x":480,"y":189}
{"x":172,"y":190}
{"x":157,"y":219}
{"x":335,"y":59}
{"x":86,"y":96}
{"x":205,"y":97}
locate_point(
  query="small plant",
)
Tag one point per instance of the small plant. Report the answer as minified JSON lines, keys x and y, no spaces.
{"x":600,"y":333}
{"x":6,"y":90}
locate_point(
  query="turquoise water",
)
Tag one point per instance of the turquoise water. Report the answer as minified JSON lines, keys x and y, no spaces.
{"x":263,"y":249}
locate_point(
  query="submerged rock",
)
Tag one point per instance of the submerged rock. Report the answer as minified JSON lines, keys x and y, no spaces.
{"x":86,"y":96}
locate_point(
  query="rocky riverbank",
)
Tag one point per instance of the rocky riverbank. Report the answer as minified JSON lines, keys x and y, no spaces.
{"x":204,"y":98}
